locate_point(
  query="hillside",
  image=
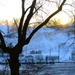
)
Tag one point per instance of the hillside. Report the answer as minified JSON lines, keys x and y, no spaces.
{"x":50,"y":41}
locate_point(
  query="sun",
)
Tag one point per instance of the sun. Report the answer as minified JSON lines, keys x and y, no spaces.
{"x":64,"y":20}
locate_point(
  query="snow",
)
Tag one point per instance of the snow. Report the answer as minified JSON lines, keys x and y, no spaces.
{"x":49,"y":40}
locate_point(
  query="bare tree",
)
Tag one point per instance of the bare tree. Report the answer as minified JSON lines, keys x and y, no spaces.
{"x":22,"y":30}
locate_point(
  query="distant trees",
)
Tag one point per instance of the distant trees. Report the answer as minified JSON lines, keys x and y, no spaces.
{"x":54,"y":22}
{"x":27,"y":14}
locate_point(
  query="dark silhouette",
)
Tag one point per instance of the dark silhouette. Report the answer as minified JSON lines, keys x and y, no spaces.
{"x":22,"y":40}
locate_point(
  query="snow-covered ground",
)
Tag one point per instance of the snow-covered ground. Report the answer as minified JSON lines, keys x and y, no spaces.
{"x":50,"y":41}
{"x":47,"y":69}
{"x":59,"y":69}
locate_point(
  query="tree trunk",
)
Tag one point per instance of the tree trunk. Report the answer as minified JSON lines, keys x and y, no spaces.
{"x":14,"y":64}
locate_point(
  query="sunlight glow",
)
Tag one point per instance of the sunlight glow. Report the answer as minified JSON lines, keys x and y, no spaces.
{"x":64,"y":20}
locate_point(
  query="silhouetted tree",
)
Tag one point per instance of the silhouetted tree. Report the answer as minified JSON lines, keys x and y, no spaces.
{"x":22,"y":30}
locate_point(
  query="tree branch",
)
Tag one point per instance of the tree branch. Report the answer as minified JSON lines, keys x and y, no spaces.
{"x":15,"y":23}
{"x":21,"y":20}
{"x":37,"y":9}
{"x":42,"y":24}
{"x":23,"y":6}
{"x":2,"y":43}
{"x":28,"y":18}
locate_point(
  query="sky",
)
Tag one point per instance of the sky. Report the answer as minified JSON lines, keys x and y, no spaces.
{"x":12,"y":8}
